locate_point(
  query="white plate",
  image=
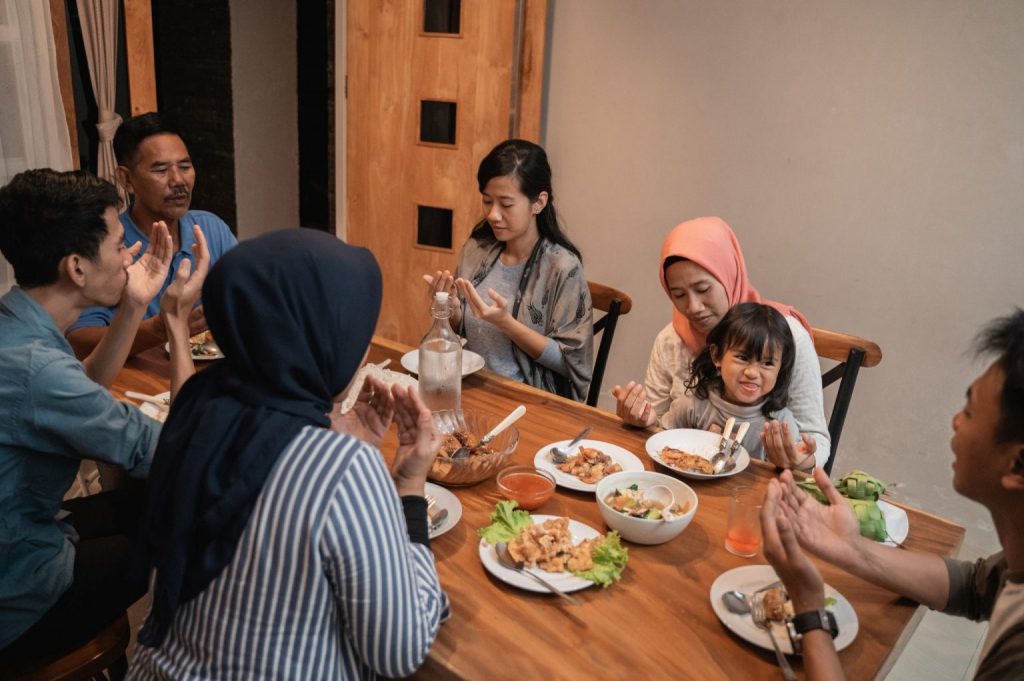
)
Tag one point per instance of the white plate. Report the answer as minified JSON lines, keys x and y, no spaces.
{"x":700,"y":442}
{"x":623,"y":457}
{"x":750,"y":578}
{"x":446,"y":500}
{"x":197,"y":358}
{"x":471,"y":362}
{"x":566,"y":581}
{"x":385,"y":376}
{"x":897,"y":524}
{"x":153,"y":411}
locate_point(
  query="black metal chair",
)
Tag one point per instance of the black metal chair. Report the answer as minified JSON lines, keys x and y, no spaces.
{"x":852,"y":353}
{"x":613,"y":303}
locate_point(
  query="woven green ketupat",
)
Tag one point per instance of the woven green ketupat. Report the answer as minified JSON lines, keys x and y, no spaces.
{"x":860,"y":485}
{"x":861,"y":491}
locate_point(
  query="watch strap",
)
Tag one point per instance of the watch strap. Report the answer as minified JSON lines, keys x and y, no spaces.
{"x":815,"y":619}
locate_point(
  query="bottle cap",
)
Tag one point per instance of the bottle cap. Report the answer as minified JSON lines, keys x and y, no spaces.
{"x":441,"y":297}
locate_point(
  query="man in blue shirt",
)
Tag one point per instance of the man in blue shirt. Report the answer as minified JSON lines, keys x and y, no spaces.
{"x":63,"y":575}
{"x":156,"y":170}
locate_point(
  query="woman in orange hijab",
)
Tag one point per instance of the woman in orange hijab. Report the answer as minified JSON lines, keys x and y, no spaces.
{"x":704,"y":274}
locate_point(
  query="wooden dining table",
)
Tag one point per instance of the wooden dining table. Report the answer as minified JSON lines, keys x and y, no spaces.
{"x":657,"y":621}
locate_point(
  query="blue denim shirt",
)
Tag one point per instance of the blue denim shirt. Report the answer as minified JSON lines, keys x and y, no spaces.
{"x":52,"y":415}
{"x":219,"y":240}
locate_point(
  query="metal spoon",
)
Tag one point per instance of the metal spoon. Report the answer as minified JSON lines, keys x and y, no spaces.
{"x":561,"y":454}
{"x":506,"y":560}
{"x":736,"y":602}
{"x":722,"y":455}
{"x":435,"y":516}
{"x":464,"y":451}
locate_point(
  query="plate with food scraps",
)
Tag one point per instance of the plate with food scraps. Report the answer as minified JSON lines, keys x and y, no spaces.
{"x":471,"y":362}
{"x":626,"y":460}
{"x":204,"y":349}
{"x":565,"y":581}
{"x":748,"y":579}
{"x":448,"y":502}
{"x":696,"y":446}
{"x":154,"y":411}
{"x":897,"y":524}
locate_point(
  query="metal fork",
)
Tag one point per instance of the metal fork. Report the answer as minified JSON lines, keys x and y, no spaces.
{"x":758,"y":615}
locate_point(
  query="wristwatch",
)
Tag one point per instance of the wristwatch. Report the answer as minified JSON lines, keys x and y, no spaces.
{"x":800,"y":624}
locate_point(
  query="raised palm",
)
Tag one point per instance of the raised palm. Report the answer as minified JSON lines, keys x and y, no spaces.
{"x":831,"y":531}
{"x":146,"y":276}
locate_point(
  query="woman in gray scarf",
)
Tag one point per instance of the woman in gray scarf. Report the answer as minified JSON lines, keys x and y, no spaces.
{"x":526,"y":306}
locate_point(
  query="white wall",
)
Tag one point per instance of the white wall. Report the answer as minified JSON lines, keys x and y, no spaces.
{"x":264,"y":83}
{"x":869,"y":155}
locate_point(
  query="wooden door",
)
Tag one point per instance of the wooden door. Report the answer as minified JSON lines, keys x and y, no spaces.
{"x":395,"y":179}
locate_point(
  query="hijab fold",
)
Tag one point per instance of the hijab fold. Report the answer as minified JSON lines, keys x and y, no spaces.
{"x":711,"y":243}
{"x":293,"y":312}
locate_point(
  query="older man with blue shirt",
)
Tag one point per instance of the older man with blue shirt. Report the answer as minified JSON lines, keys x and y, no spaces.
{"x":157,"y":172}
{"x":64,"y":565}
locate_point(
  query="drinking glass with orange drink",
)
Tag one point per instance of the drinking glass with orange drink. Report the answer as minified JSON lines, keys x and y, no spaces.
{"x":743,"y":532}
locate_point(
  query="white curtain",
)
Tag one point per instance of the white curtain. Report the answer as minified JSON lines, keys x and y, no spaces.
{"x":33,"y":130}
{"x":99,"y":34}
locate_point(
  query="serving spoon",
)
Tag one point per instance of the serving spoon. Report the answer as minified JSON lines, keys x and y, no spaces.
{"x":561,"y":454}
{"x":464,"y":451}
{"x":506,"y":560}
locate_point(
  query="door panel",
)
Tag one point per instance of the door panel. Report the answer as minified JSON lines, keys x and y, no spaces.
{"x":392,"y":66}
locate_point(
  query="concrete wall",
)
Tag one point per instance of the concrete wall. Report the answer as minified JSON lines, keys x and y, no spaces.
{"x":265,"y":115}
{"x":870,"y":157}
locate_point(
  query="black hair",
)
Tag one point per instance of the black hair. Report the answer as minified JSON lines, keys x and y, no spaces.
{"x":136,"y":130}
{"x":1004,"y":337}
{"x":528,"y":163}
{"x":757,"y":330}
{"x":46,"y":215}
{"x":669,"y":261}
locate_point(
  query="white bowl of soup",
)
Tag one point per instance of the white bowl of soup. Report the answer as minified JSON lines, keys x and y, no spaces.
{"x":620,"y":496}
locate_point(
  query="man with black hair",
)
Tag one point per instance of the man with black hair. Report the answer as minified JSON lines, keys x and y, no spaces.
{"x":63,"y":569}
{"x":155,"y":169}
{"x":988,"y":467}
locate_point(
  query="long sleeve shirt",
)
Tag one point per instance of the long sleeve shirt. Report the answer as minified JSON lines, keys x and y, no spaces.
{"x":52,"y":415}
{"x":325,"y":583}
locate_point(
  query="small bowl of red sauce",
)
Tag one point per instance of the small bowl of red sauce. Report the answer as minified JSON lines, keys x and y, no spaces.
{"x":528,"y":486}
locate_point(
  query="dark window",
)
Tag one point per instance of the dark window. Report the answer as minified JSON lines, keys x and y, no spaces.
{"x":441,"y":16}
{"x":437,"y":122}
{"x":434,"y":227}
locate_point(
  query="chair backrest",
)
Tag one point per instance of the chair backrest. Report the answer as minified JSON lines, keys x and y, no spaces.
{"x":613,"y":303}
{"x":852,"y":353}
{"x":103,"y":652}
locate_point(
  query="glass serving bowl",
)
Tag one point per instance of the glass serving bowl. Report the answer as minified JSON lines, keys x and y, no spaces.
{"x":480,"y":465}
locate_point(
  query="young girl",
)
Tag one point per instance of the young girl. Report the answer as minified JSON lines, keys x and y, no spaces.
{"x":744,"y":372}
{"x":526,"y":306}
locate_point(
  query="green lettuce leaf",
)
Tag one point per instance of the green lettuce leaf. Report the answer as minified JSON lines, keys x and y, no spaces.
{"x":610,"y":558}
{"x":506,"y":523}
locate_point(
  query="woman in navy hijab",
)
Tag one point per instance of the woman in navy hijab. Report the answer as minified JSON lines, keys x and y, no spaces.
{"x":283,"y":548}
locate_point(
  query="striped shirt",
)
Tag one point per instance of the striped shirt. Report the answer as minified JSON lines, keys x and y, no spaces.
{"x":324,"y":583}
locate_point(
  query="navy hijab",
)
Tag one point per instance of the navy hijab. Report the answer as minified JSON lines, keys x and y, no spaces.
{"x":293,"y":311}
